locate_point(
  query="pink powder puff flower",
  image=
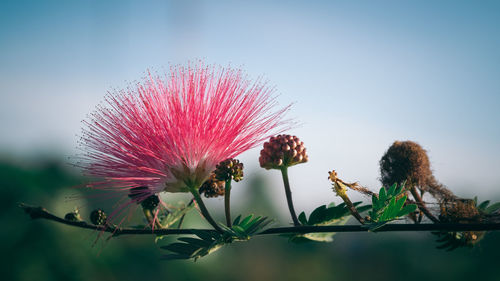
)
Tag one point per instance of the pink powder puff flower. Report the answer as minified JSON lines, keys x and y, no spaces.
{"x":169,"y":134}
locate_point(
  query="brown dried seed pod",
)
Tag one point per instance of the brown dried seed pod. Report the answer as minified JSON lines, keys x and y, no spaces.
{"x":463,"y":211}
{"x":407,"y":161}
{"x":282,"y":151}
{"x":212,"y":187}
{"x":460,"y":211}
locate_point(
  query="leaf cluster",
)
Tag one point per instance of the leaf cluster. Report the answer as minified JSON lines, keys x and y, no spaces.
{"x":486,"y":208}
{"x":209,"y":241}
{"x":390,"y":204}
{"x":322,"y":216}
{"x":450,"y":241}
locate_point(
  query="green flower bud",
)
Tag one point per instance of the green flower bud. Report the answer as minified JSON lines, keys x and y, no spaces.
{"x":98,"y":217}
{"x":151,"y":202}
{"x":229,"y":169}
{"x":73,"y":216}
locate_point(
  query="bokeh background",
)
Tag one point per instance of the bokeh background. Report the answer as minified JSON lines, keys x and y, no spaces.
{"x":361,"y":74}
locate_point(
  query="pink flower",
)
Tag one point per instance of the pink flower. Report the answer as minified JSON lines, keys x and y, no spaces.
{"x":169,"y":134}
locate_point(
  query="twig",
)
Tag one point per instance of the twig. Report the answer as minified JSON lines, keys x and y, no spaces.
{"x":421,"y":205}
{"x":42,"y":213}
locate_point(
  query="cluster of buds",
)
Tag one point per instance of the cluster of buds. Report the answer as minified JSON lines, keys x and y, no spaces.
{"x":282,"y":151}
{"x":145,"y":197}
{"x":98,"y":217}
{"x":229,"y":169}
{"x":212,"y":187}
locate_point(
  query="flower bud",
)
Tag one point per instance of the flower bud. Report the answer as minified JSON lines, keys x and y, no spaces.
{"x":98,"y":217}
{"x":282,"y":151}
{"x":144,"y":196}
{"x":73,"y":216}
{"x":212,"y":187}
{"x":229,"y":169}
{"x":151,"y":202}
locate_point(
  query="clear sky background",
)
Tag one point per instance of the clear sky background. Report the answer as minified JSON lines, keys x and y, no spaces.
{"x":361,"y":74}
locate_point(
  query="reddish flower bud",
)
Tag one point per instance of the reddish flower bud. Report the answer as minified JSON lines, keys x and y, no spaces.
{"x":282,"y":151}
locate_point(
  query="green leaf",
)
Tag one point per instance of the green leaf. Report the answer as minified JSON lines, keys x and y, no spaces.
{"x":389,"y":210}
{"x":331,"y":215}
{"x":317,"y":215}
{"x":193,"y":241}
{"x":239,"y":229}
{"x":237,"y":220}
{"x":382,"y":195}
{"x":245,"y":221}
{"x":203,"y":234}
{"x":316,"y":237}
{"x":483,"y":205}
{"x":387,"y":206}
{"x":398,"y":206}
{"x":392,"y":190}
{"x":319,"y":237}
{"x":375,"y":226}
{"x":302,"y":218}
{"x":210,"y":241}
{"x":407,"y":209}
{"x":493,"y":208}
{"x":400,"y":189}
{"x":181,"y":248}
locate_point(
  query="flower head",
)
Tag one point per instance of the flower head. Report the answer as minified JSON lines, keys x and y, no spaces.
{"x":282,"y":151}
{"x":169,"y":134}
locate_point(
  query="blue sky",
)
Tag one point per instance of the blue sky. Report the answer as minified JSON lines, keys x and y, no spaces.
{"x":361,"y":74}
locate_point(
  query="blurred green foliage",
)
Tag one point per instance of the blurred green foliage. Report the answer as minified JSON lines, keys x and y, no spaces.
{"x":44,"y":250}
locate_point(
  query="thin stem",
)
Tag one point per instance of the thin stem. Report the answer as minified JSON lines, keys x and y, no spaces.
{"x":421,"y":205}
{"x":288,"y":192}
{"x":183,"y":216}
{"x":41,"y":213}
{"x":204,"y":210}
{"x":227,"y":206}
{"x":151,"y":219}
{"x":352,"y":209}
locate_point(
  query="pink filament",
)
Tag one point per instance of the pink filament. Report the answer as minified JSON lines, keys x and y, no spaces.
{"x":197,"y":116}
